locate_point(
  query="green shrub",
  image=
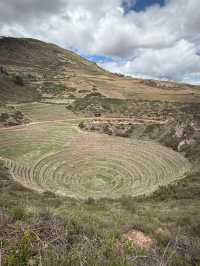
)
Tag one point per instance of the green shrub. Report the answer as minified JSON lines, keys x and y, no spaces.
{"x":82,"y":124}
{"x":4,"y":117}
{"x":90,"y":201}
{"x":18,"y":115}
{"x":18,"y":80}
{"x":184,"y":220}
{"x":179,"y":261}
{"x":83,"y":91}
{"x":17,"y":213}
{"x":21,"y":254}
{"x":163,"y":239}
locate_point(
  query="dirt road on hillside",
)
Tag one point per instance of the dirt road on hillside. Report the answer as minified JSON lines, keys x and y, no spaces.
{"x":99,"y":119}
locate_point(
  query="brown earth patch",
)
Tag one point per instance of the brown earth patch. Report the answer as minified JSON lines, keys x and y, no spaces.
{"x":138,"y":239}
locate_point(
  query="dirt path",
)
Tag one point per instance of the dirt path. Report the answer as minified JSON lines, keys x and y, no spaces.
{"x":99,"y":119}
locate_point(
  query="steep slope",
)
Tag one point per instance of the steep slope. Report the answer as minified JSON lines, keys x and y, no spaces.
{"x":35,"y":54}
{"x":59,"y":75}
{"x":12,"y":91}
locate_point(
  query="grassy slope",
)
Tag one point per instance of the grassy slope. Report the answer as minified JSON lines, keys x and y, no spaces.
{"x":45,"y":112}
{"x":93,"y":229}
{"x":97,"y":103}
{"x":41,"y":64}
{"x":12,"y":92}
{"x":42,"y":229}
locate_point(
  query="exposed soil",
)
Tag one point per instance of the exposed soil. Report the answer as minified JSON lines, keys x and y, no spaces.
{"x":138,"y":239}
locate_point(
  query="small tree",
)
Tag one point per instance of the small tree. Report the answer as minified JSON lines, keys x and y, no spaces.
{"x":4,"y":117}
{"x":19,"y":80}
{"x":18,"y":115}
{"x":3,"y":70}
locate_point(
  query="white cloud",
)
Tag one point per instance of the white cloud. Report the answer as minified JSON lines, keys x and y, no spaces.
{"x":179,"y":62}
{"x":164,"y":42}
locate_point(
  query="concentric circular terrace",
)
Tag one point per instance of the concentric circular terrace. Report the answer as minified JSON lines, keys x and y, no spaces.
{"x":98,"y":166}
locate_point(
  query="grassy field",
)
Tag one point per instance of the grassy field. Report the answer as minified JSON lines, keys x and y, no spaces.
{"x":73,"y":198}
{"x":44,"y":111}
{"x":58,"y":157}
{"x":45,"y":229}
{"x":94,"y":191}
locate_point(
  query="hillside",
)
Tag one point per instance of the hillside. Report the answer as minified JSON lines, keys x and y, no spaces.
{"x":95,"y":168}
{"x":43,"y":65}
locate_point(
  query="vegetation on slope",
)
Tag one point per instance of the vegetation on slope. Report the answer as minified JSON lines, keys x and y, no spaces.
{"x":13,"y":118}
{"x":39,"y":64}
{"x":97,"y":103}
{"x":13,"y":90}
{"x":46,"y":229}
{"x":42,"y":229}
{"x":57,"y":157}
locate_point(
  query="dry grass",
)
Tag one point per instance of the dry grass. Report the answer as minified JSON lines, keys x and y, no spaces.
{"x":41,"y":64}
{"x":58,"y":158}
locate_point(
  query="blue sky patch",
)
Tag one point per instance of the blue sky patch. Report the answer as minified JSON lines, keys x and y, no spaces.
{"x":141,"y":5}
{"x":99,"y":58}
{"x":94,"y":58}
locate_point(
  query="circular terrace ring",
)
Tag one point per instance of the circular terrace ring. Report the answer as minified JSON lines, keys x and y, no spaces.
{"x":100,"y":166}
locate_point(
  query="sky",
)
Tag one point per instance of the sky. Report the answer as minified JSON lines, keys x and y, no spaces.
{"x":157,"y":39}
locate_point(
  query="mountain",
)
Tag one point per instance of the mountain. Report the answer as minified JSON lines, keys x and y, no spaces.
{"x":53,"y":74}
{"x":32,"y":71}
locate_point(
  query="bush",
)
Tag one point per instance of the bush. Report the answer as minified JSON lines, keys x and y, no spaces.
{"x":83,"y":91}
{"x":18,"y":115}
{"x":18,"y":80}
{"x":94,"y":94}
{"x":22,"y":253}
{"x":81,"y":124}
{"x":163,"y":239}
{"x":3,"y":70}
{"x":90,"y":201}
{"x":4,"y":117}
{"x":18,"y":213}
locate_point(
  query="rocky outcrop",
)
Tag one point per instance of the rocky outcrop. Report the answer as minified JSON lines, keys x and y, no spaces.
{"x":13,"y":119}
